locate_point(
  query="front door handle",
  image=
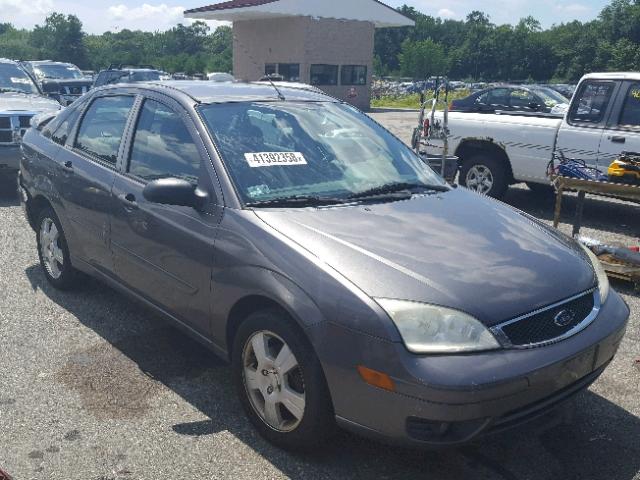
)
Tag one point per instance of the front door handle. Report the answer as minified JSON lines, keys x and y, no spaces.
{"x":129,"y":201}
{"x":618,"y":139}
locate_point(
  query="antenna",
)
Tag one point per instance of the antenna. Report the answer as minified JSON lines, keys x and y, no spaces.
{"x":280,"y":95}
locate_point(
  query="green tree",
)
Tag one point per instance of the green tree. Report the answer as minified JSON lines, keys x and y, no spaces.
{"x":61,"y":38}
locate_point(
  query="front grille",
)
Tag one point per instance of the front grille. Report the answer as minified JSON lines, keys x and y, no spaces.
{"x":550,"y":324}
{"x":10,"y":123}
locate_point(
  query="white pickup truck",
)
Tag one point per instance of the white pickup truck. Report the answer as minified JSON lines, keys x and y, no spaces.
{"x":497,"y":150}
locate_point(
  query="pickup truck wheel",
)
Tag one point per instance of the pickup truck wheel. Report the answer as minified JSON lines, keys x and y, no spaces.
{"x":53,"y":251}
{"x":484,"y":175}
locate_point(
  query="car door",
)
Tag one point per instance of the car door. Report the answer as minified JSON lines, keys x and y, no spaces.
{"x":622,"y":132}
{"x":582,"y":128}
{"x":165,"y":252}
{"x":86,"y":170}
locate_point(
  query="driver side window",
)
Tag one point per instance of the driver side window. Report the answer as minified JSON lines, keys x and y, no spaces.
{"x":162,"y":146}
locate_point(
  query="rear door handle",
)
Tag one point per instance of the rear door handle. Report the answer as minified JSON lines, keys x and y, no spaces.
{"x":618,"y":139}
{"x":68,"y":166}
{"x":129,"y":201}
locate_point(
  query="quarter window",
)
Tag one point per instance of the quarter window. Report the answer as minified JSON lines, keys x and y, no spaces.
{"x":102,"y":127}
{"x":162,"y":146}
{"x":353,"y":75}
{"x":324,"y":74}
{"x":63,"y":131}
{"x":591,"y":102}
{"x":630,"y":116}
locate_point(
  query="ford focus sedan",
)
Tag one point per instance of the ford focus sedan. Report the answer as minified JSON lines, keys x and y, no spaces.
{"x":346,"y":283}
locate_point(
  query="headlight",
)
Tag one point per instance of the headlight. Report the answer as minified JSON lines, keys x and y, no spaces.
{"x":603,"y":280}
{"x":431,"y":329}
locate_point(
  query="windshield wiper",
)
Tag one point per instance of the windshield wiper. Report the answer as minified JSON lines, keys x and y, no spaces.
{"x":296,"y":201}
{"x":398,"y":188}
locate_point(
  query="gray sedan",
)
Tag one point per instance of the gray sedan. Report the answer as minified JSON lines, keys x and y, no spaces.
{"x":345,"y":281}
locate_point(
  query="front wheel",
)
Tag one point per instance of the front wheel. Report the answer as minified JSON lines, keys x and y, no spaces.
{"x":484,"y":175}
{"x":281,"y":383}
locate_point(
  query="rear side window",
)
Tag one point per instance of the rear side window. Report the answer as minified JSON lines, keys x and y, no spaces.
{"x":162,"y":146}
{"x":591,"y":102}
{"x":630,"y":116}
{"x":102,"y":127}
{"x":497,"y":96}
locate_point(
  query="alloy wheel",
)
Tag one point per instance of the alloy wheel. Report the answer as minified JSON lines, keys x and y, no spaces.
{"x":52,"y":255}
{"x":480,"y":179}
{"x":273,"y":381}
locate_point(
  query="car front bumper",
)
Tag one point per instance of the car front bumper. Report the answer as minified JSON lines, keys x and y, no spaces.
{"x":451,"y":400}
{"x":10,"y":157}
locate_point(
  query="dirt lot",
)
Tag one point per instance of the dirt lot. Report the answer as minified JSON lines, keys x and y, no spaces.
{"x":93,"y":387}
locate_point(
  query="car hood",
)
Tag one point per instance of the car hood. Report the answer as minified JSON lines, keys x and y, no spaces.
{"x":85,"y":82}
{"x":456,"y":249}
{"x":16,"y":102}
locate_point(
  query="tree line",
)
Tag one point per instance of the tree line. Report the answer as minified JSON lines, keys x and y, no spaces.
{"x":184,"y":48}
{"x":477,"y":49}
{"x":474,"y":48}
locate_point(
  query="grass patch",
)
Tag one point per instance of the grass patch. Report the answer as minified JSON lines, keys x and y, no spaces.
{"x":412,"y":101}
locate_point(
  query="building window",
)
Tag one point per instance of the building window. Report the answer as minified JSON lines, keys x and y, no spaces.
{"x":290,"y":72}
{"x":324,"y":74}
{"x":270,"y":69}
{"x":353,"y":75}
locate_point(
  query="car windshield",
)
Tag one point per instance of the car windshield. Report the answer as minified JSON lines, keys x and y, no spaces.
{"x":551,"y":97}
{"x":13,"y":77}
{"x":58,"y":72}
{"x":320,"y":149}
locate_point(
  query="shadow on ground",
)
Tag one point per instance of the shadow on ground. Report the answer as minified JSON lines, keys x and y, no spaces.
{"x":116,"y":380}
{"x":610,"y":215}
{"x":8,"y":190}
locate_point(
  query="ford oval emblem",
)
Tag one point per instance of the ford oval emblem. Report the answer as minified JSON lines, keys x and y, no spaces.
{"x":564,"y":318}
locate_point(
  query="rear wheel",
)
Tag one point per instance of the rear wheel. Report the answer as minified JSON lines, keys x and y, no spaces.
{"x":484,"y":175}
{"x":280,"y":382}
{"x":53,"y":251}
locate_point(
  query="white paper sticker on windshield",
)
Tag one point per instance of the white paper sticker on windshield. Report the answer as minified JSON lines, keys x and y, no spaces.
{"x":274,"y":159}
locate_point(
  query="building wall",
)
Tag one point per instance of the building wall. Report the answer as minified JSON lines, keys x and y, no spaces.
{"x":306,"y":41}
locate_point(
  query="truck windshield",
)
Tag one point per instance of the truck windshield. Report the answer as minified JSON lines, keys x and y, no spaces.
{"x":13,"y":77}
{"x":320,"y":149}
{"x":58,"y":72}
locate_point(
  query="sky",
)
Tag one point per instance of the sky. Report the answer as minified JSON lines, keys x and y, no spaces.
{"x":98,"y":17}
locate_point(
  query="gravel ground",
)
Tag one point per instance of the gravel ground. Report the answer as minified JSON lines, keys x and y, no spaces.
{"x":94,"y":387}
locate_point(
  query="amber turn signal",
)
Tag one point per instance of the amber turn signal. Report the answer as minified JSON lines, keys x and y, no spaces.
{"x":377,"y":379}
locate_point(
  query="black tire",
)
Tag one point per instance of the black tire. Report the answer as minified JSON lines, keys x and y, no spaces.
{"x":496,"y":168}
{"x":318,"y":422}
{"x":67,"y":274}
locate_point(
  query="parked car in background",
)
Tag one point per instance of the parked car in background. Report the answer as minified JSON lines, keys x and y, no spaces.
{"x":129,"y":74}
{"x":511,"y":98}
{"x":563,"y":89}
{"x":63,"y":82}
{"x":20,"y":100}
{"x":220,"y":77}
{"x":342,"y":278}
{"x":496,"y":150}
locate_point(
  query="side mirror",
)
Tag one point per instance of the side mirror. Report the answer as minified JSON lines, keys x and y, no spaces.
{"x":175,"y":191}
{"x":534,"y":106}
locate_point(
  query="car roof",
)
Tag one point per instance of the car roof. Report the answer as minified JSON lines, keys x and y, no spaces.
{"x":214,"y":92}
{"x":612,"y":76}
{"x":8,"y":60}
{"x":48,"y":62}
